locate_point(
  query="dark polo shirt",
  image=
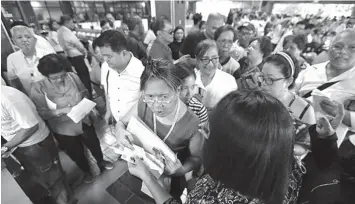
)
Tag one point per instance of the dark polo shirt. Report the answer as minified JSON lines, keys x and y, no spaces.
{"x":160,"y":51}
{"x":135,"y":45}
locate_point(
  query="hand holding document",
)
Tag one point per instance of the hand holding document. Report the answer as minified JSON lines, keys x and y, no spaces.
{"x":146,"y":138}
{"x":152,"y":162}
{"x":81,"y":110}
{"x":318,"y":97}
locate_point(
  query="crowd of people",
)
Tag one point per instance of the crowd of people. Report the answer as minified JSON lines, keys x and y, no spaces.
{"x":234,"y":98}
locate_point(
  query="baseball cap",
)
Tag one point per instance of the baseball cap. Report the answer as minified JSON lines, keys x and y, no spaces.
{"x":248,"y":26}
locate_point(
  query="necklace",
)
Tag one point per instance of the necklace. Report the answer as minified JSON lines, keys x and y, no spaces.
{"x":172,"y":126}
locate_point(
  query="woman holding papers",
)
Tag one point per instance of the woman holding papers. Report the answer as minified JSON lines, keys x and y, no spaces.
{"x":161,"y":109}
{"x":54,"y":97}
{"x":249,"y":156}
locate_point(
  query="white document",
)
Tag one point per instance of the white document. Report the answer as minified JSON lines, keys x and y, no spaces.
{"x":318,"y":97}
{"x":152,"y":162}
{"x":81,"y":110}
{"x":51,"y":105}
{"x":146,"y":138}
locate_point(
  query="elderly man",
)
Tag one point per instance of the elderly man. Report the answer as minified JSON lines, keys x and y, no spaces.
{"x":41,"y":42}
{"x":335,"y":79}
{"x":214,"y":21}
{"x":22,"y":64}
{"x":159,"y":47}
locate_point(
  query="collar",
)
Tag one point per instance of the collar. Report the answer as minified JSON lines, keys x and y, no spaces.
{"x":159,"y":43}
{"x":128,"y":69}
{"x":225,"y":62}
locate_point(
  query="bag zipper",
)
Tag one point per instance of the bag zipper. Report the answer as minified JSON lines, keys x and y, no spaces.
{"x":335,"y":181}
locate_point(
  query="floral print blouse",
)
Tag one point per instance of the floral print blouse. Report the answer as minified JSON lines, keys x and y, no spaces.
{"x":209,"y":191}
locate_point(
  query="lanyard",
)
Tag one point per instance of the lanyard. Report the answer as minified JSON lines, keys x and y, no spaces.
{"x":172,"y":126}
{"x":31,"y":65}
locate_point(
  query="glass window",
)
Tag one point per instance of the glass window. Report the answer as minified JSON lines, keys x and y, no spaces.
{"x":11,"y":11}
{"x":54,"y":4}
{"x":55,"y":13}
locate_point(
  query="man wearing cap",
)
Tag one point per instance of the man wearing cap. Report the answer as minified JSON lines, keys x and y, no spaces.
{"x":245,"y":33}
{"x":214,"y":21}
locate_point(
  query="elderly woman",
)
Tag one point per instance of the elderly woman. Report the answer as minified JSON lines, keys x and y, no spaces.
{"x":258,"y":49}
{"x":243,"y":164}
{"x":213,"y":83}
{"x":54,"y":97}
{"x":161,"y":109}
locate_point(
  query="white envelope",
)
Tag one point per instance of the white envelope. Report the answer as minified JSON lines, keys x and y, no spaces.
{"x":146,"y":138}
{"x":318,"y":97}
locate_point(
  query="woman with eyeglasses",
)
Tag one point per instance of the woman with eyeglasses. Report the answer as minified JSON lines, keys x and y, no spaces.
{"x":161,"y":109}
{"x":213,"y":83}
{"x":249,"y":157}
{"x":54,"y":97}
{"x":258,"y":49}
{"x":277,"y":78}
{"x":224,"y":37}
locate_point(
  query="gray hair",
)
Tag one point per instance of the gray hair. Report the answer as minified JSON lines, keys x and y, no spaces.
{"x":21,"y":27}
{"x":350,"y":31}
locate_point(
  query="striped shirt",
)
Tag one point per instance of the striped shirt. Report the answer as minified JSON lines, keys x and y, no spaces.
{"x":199,"y":109}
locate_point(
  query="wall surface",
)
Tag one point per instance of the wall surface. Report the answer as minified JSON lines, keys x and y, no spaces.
{"x":163,"y":8}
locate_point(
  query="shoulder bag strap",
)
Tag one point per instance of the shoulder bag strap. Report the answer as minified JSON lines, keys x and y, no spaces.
{"x":321,"y":88}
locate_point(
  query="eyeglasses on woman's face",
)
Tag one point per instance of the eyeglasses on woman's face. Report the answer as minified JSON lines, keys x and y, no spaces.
{"x":206,"y":61}
{"x":58,"y":76}
{"x":268,"y":80}
{"x":161,"y":100}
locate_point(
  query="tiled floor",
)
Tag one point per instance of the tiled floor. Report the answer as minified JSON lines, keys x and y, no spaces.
{"x":95,"y":192}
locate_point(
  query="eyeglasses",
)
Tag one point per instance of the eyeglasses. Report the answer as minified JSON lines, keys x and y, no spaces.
{"x":58,"y":77}
{"x":267,"y":80}
{"x":206,"y":61}
{"x":338,"y":47}
{"x":162,"y":100}
{"x":170,"y":32}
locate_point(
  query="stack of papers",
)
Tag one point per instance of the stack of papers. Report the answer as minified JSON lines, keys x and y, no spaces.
{"x":82,"y":109}
{"x":152,"y":162}
{"x":143,"y":136}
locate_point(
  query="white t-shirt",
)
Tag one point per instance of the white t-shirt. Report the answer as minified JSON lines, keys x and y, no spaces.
{"x":18,"y":112}
{"x":24,"y":68}
{"x":314,"y":76}
{"x":221,"y":85}
{"x":231,"y":66}
{"x":123,"y":89}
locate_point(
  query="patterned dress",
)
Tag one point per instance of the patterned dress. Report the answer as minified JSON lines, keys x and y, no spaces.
{"x":209,"y":191}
